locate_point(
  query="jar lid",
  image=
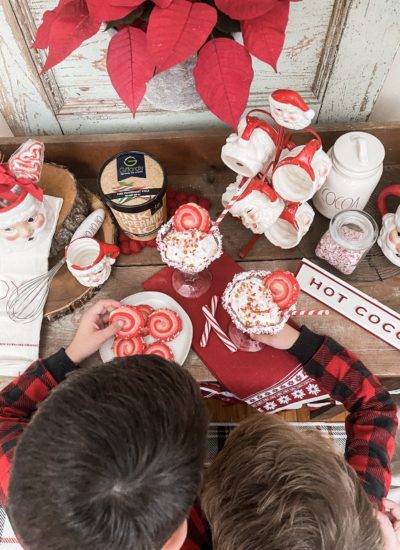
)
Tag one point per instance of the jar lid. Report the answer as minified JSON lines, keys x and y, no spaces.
{"x":359,"y":151}
{"x":354,"y":229}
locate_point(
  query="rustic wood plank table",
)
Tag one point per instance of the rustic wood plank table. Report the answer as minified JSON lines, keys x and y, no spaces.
{"x":192,"y":161}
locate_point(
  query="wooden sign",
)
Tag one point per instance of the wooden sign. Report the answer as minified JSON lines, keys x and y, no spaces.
{"x":368,"y":313}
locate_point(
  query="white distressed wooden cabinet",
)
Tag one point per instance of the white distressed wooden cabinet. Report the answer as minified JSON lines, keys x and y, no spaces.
{"x":337,"y":54}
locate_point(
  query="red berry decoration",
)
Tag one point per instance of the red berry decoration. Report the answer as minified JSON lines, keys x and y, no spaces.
{"x":170,"y":194}
{"x":123,"y":347}
{"x":181,"y":197}
{"x":284,"y":287}
{"x":123,"y":237}
{"x":164,"y":325}
{"x":205,"y":203}
{"x":132,"y":318}
{"x":161,"y":349}
{"x":124,"y":247}
{"x":134,"y":246}
{"x":152,"y":243}
{"x":193,"y":198}
{"x":191,"y":216}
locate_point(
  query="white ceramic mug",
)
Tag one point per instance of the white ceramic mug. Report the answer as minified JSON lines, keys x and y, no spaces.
{"x":90,"y":260}
{"x":253,"y":147}
{"x":301,"y":172}
{"x":291,"y":226}
{"x":389,"y":236}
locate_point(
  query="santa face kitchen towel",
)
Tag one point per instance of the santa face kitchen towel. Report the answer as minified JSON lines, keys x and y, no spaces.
{"x":22,"y":259}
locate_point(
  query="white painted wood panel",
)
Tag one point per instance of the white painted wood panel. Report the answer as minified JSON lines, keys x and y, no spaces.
{"x":337,"y":54}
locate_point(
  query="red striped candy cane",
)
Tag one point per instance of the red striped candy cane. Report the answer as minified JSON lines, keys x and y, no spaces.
{"x":299,"y":312}
{"x":207,"y":326}
{"x":242,"y":187}
{"x":218,"y":330}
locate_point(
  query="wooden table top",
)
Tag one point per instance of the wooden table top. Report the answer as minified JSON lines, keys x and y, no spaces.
{"x":130,"y":272}
{"x":191,"y":159}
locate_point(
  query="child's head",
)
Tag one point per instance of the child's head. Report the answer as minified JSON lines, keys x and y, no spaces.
{"x":112,"y":460}
{"x":277,"y":488}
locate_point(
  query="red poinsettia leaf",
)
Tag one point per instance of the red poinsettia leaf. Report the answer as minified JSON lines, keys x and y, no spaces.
{"x":163,"y":3}
{"x":223,"y":75}
{"x":128,"y":65}
{"x":177,"y":32}
{"x":71,"y":27}
{"x":43,"y":33}
{"x":111,"y":10}
{"x":245,"y":9}
{"x":264,"y":36}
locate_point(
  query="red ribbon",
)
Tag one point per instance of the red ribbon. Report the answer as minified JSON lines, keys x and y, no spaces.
{"x":8,"y":181}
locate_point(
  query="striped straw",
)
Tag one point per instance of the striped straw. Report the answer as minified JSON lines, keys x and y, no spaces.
{"x":218,"y":330}
{"x":242,"y":187}
{"x":207,"y":326}
{"x":304,"y":312}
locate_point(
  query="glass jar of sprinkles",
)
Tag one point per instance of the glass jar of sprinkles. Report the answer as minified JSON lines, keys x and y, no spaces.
{"x":350,"y":235}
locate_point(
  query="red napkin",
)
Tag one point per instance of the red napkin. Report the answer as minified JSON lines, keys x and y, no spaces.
{"x":268,"y":380}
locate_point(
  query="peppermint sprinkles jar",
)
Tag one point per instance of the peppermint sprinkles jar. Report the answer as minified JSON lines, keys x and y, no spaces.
{"x":350,"y":235}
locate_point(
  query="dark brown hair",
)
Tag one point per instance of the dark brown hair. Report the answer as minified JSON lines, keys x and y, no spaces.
{"x":275,"y":488}
{"x":112,"y":460}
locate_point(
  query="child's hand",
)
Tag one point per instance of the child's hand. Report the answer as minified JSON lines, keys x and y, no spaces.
{"x":283,"y":340}
{"x":390,"y":524}
{"x":93,"y":331}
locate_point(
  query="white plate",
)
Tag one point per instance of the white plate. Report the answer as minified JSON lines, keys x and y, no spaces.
{"x":180,"y":346}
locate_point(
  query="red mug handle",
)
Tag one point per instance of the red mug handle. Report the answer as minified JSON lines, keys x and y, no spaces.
{"x":109,"y":250}
{"x":387,"y":192}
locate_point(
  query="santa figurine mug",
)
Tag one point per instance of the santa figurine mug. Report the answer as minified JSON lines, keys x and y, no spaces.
{"x":357,"y":165}
{"x":389,"y":236}
{"x":252,"y":149}
{"x":301,"y":172}
{"x":291,"y":226}
{"x":290,"y":110}
{"x":90,"y":260}
{"x":258,"y":206}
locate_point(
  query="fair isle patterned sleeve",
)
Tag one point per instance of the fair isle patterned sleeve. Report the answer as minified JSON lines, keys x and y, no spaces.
{"x":372,"y":422}
{"x":18,"y":402}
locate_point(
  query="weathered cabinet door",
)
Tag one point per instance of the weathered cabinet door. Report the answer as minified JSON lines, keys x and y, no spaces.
{"x":337,"y":54}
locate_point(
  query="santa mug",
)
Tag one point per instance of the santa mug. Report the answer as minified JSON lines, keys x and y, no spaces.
{"x":253,"y":147}
{"x":301,"y":172}
{"x":90,"y":260}
{"x":290,"y":110}
{"x":258,"y":207}
{"x":291,"y":226}
{"x":23,"y":219}
{"x":389,"y":236}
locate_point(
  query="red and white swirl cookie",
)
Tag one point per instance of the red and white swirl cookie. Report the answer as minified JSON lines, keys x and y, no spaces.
{"x":164,"y":325}
{"x":146,"y":310}
{"x":123,"y":347}
{"x":191,"y":216}
{"x":284,"y":288}
{"x":132,"y":318}
{"x":161,"y":349}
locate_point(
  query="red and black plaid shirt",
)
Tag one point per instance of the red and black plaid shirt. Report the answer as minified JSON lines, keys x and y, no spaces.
{"x":370,"y":426}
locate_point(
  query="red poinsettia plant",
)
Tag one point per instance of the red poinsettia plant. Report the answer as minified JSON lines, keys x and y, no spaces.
{"x":154,"y":35}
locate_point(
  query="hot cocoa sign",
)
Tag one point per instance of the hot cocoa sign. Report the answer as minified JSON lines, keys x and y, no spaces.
{"x":360,"y":308}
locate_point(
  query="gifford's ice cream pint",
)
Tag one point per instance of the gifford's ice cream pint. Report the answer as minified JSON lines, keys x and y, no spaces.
{"x":133,"y":185}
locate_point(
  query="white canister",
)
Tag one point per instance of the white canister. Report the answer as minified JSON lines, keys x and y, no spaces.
{"x":357,"y":164}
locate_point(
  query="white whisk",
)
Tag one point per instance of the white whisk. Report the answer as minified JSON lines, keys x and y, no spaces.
{"x":26,"y":302}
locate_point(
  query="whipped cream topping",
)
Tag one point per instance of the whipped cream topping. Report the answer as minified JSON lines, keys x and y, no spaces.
{"x":252,"y":303}
{"x":251,"y":306}
{"x":191,"y":250}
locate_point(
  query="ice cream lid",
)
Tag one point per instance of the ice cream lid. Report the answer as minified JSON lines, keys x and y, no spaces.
{"x":132,"y":178}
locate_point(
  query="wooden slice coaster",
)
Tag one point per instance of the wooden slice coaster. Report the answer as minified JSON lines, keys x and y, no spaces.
{"x":66,"y":294}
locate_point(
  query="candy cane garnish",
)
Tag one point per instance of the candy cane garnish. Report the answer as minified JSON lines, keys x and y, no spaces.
{"x":218,"y":330}
{"x":207,"y":326}
{"x":242,"y":187}
{"x":305,"y":312}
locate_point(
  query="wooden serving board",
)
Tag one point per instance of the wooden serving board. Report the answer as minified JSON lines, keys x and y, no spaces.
{"x":66,"y":294}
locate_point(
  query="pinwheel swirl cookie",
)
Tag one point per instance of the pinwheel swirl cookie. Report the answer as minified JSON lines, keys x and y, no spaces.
{"x":261,"y":302}
{"x":187,"y":242}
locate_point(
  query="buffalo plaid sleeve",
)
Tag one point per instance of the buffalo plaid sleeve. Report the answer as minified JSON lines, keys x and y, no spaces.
{"x":198,"y":536}
{"x":372,"y":422}
{"x":18,"y":402}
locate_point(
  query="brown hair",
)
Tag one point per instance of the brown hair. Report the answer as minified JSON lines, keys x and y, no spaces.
{"x":275,"y":488}
{"x":112,"y":460}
